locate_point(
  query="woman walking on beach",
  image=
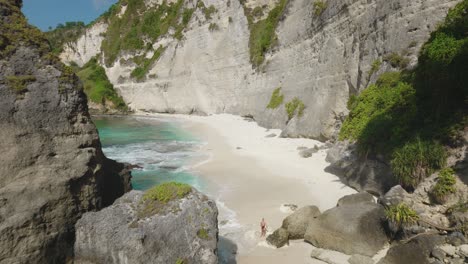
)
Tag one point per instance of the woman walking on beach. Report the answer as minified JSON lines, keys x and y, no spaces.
{"x":263,"y":227}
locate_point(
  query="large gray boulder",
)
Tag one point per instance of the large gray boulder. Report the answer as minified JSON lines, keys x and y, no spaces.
{"x":351,"y":228}
{"x":372,"y":174}
{"x":351,"y":199}
{"x":52,"y":169}
{"x":183,"y":230}
{"x":296,"y":224}
{"x":418,"y":250}
{"x":278,"y":238}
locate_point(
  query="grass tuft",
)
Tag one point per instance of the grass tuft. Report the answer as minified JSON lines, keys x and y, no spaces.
{"x":293,"y":107}
{"x":401,"y":215}
{"x":276,"y":99}
{"x":319,"y":7}
{"x":445,"y":185}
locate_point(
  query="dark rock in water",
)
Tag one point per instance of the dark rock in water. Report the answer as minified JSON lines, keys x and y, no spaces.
{"x":351,"y":228}
{"x":279,"y":238}
{"x":363,"y":174}
{"x":297,"y":223}
{"x":52,"y":166}
{"x":169,"y":167}
{"x":184,"y":229}
{"x":359,"y":259}
{"x":417,"y":250}
{"x":361,"y":197}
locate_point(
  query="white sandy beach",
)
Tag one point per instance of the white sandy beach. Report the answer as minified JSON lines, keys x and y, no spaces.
{"x":251,"y":176}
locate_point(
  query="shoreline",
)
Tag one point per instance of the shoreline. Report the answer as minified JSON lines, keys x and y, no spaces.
{"x":251,"y":176}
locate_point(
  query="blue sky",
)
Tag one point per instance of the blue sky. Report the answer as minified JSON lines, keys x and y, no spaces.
{"x":45,"y":13}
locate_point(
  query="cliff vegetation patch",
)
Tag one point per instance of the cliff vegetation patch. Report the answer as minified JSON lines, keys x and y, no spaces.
{"x":132,"y":31}
{"x":293,"y":107}
{"x":145,"y":64}
{"x":410,"y":116}
{"x":276,"y":99}
{"x":64,"y":33}
{"x":19,"y":83}
{"x":319,"y":7}
{"x":445,"y":185}
{"x":97,"y":86}
{"x":262,"y":33}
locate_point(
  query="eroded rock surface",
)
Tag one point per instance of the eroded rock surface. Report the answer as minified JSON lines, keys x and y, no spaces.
{"x":183,"y":230}
{"x":52,"y":166}
{"x":351,"y":228}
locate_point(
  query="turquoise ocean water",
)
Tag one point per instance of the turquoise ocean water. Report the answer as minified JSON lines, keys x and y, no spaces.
{"x":162,"y":150}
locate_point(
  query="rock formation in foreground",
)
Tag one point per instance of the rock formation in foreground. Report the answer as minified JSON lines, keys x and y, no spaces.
{"x":147,"y":228}
{"x":52,"y":166}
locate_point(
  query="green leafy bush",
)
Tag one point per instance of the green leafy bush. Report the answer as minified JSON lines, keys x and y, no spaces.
{"x":397,"y":61}
{"x":416,"y":160}
{"x":262,"y":33}
{"x":445,"y":185}
{"x":97,"y":86}
{"x":167,"y":192}
{"x":407,"y":116}
{"x":401,"y":215}
{"x":276,"y":99}
{"x":319,"y":7}
{"x":378,"y":116}
{"x":295,"y":106}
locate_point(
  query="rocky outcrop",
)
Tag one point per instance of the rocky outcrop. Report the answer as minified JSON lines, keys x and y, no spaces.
{"x":368,"y":174}
{"x":351,"y":228}
{"x":52,"y":166}
{"x":182,"y":231}
{"x":296,"y":224}
{"x":418,"y":250}
{"x":279,"y":238}
{"x":321,"y":59}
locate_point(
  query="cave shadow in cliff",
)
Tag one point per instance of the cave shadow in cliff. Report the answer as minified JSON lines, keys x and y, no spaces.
{"x":227,"y":251}
{"x":461,"y":168}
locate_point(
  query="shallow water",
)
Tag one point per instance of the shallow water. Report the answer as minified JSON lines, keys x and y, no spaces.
{"x":161,"y":149}
{"x":164,"y":151}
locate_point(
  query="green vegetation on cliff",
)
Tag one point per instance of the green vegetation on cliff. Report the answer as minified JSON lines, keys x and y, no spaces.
{"x":97,"y":86}
{"x":262,"y":33}
{"x":63,"y":34}
{"x":293,"y":107}
{"x":276,"y":99}
{"x":408,"y":116}
{"x":401,"y":215}
{"x":167,"y":192}
{"x":15,"y":31}
{"x":145,"y":64}
{"x":445,"y":185}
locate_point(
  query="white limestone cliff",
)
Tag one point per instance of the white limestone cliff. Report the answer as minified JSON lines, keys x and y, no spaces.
{"x":320,"y":59}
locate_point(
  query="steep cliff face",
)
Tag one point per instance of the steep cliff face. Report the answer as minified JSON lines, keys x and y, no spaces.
{"x":322,"y":57}
{"x":52,"y":167}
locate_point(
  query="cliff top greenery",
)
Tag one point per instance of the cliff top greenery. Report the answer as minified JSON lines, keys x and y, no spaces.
{"x":140,"y":26}
{"x":408,"y":116}
{"x":64,"y":33}
{"x":15,"y":30}
{"x":167,"y":192}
